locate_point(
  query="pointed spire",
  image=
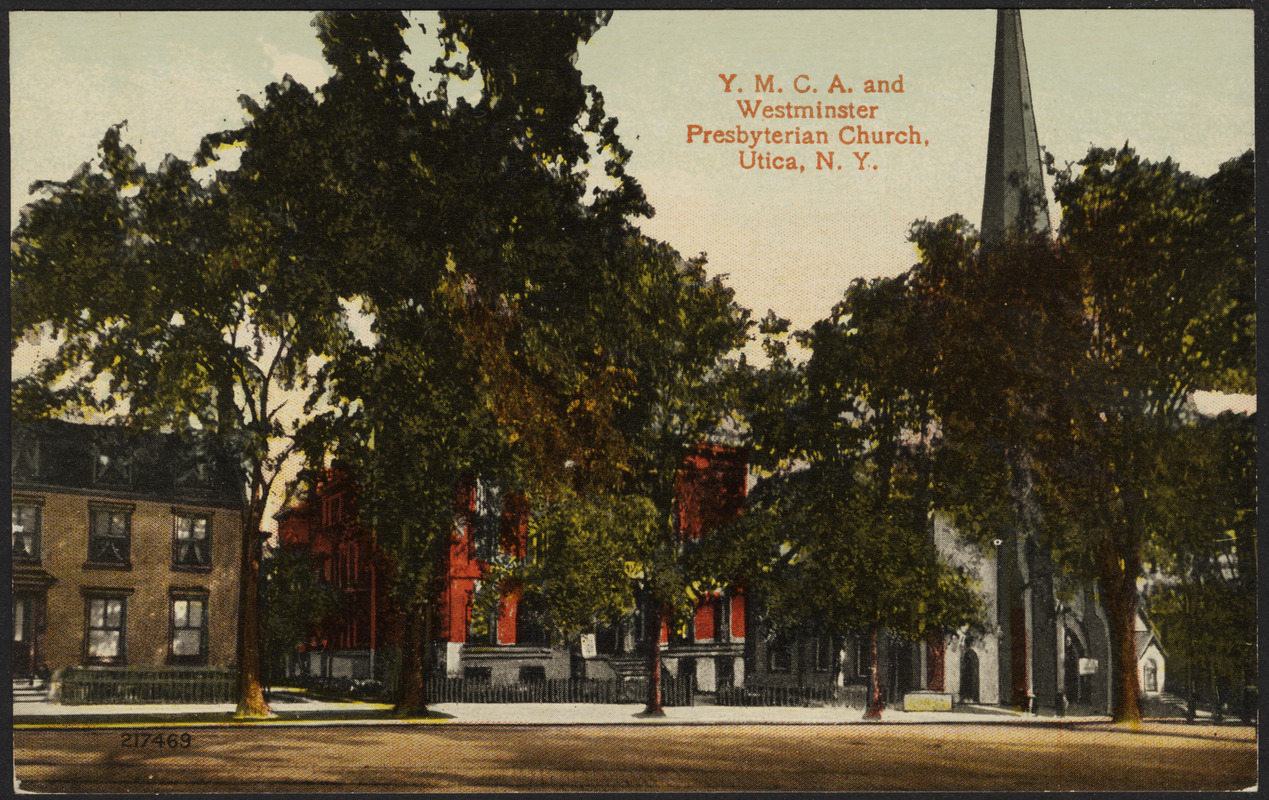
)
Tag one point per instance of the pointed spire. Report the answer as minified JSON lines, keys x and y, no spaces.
{"x":1013,"y":193}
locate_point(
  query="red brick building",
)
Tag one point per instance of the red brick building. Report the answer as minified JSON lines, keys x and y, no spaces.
{"x":344,"y":555}
{"x":353,"y":642}
{"x":513,"y":647}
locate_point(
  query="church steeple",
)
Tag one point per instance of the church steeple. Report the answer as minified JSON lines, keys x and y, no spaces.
{"x":1013,"y":194}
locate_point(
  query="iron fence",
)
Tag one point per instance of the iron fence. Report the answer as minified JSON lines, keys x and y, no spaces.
{"x":806,"y":696}
{"x":82,"y":686}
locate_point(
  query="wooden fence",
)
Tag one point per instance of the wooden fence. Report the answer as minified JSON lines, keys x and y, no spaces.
{"x":82,"y":686}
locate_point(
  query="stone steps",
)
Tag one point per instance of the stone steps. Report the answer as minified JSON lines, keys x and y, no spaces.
{"x":26,"y":691}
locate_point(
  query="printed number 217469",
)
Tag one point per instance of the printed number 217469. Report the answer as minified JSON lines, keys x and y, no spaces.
{"x":156,"y":740}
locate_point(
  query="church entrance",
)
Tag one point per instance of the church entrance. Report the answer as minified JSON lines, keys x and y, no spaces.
{"x":1074,"y":685}
{"x":902,"y":677}
{"x":969,"y":676}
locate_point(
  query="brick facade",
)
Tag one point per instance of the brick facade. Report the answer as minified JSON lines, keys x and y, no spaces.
{"x":126,"y":550}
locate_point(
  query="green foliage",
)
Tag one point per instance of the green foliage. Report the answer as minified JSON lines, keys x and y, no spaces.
{"x":182,"y":305}
{"x":1209,"y":628}
{"x":1203,"y":574}
{"x":296,"y":601}
{"x":1064,"y":368}
{"x":838,"y":535}
{"x":1167,"y":268}
{"x":522,"y":329}
{"x":671,"y":330}
{"x":577,"y":573}
{"x":820,"y":550}
{"x":1003,"y":325}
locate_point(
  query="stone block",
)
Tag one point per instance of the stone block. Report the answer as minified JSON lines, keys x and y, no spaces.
{"x":927,"y":701}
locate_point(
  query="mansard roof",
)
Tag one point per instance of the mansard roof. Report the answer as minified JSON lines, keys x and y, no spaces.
{"x":112,"y":461}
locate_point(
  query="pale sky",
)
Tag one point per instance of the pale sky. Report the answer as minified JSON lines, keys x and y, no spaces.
{"x":1173,"y":82}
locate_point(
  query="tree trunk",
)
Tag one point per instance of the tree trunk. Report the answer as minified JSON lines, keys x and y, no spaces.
{"x":1121,"y":613}
{"x":425,"y":654}
{"x":251,"y":703}
{"x":411,"y":697}
{"x":1190,"y":701}
{"x":653,"y":707}
{"x":875,"y":704}
{"x":1217,"y":714}
{"x":935,"y":659}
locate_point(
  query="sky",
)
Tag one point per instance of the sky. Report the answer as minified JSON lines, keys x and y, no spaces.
{"x":1173,"y":83}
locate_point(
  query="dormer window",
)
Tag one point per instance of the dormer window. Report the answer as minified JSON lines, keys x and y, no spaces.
{"x":111,"y":467}
{"x":25,"y":458}
{"x":194,"y":476}
{"x":195,"y":467}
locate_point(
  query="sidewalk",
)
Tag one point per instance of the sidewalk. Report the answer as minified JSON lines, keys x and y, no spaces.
{"x":294,"y":708}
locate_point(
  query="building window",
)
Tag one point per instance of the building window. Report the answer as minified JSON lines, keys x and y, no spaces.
{"x":1150,"y":675}
{"x":778,"y":655}
{"x":487,"y":527}
{"x":863,"y":662}
{"x":532,"y":674}
{"x":477,"y":674}
{"x":19,"y":619}
{"x":191,"y":541}
{"x":109,"y":538}
{"x":332,"y":510}
{"x":482,"y":624}
{"x":189,"y":629}
{"x":823,"y":646}
{"x":533,"y":547}
{"x":26,"y":531}
{"x":530,"y":622}
{"x":107,"y":623}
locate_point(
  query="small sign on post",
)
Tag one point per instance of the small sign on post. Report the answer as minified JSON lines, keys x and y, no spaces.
{"x":1088,"y":666}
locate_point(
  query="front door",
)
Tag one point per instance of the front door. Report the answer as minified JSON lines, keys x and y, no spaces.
{"x":23,"y":636}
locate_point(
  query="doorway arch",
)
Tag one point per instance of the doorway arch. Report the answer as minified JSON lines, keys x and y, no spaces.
{"x":1075,"y":688}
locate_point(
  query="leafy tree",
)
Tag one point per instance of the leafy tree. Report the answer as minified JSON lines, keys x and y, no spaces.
{"x":174,"y":304}
{"x":819,"y":550}
{"x":839,"y":532}
{"x":296,"y":600}
{"x":594,"y":342}
{"x":574,"y":574}
{"x":1165,"y":263}
{"x":672,"y":330}
{"x":464,"y":232}
{"x":872,"y":376}
{"x":1067,"y":364}
{"x":1202,"y":580}
{"x":667,"y":330}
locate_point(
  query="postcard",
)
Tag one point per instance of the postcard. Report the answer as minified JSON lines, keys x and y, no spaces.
{"x":643,"y":401}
